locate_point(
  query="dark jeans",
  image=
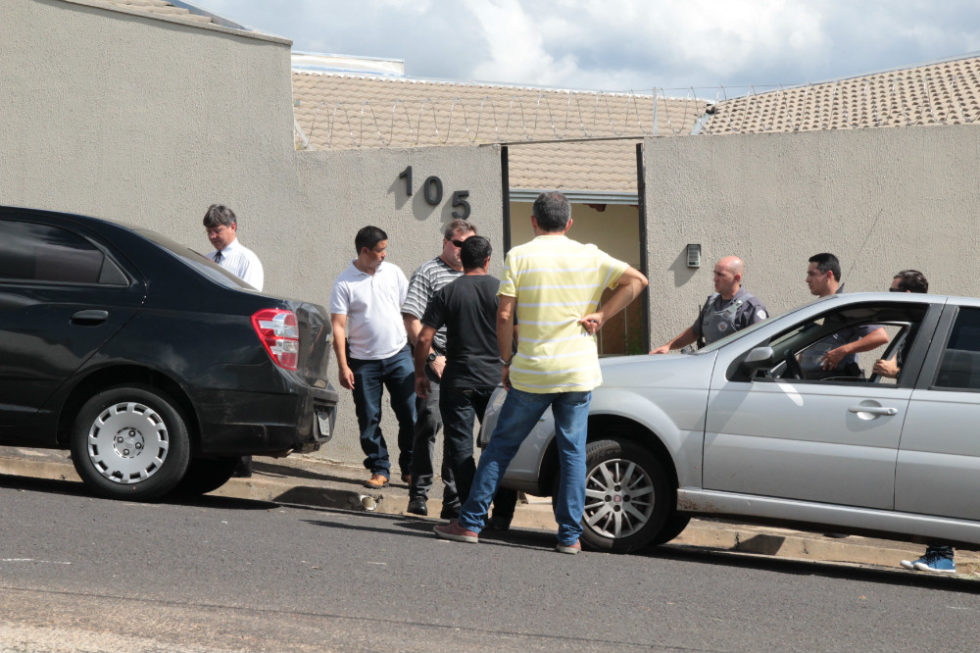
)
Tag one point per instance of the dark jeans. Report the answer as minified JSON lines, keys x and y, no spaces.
{"x":459,"y":408}
{"x":427,"y":425}
{"x":396,"y":373}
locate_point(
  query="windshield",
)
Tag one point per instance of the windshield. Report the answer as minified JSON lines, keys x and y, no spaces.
{"x":732,"y":337}
{"x":197,"y":261}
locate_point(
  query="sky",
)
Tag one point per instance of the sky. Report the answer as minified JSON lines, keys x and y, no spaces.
{"x":625,"y":45}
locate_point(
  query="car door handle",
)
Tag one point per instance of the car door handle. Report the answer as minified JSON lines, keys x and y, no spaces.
{"x":90,"y":317}
{"x":873,"y":410}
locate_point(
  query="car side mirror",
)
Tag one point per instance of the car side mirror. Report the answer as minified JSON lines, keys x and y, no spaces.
{"x":758,"y":358}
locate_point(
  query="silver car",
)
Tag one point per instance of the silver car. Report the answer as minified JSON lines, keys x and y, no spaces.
{"x":746,"y":427}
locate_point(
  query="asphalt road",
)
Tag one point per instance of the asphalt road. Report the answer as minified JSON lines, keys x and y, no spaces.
{"x":84,"y":574}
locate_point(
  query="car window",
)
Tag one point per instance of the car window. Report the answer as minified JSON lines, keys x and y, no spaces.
{"x":960,"y":367}
{"x":196,"y":260}
{"x":800,"y":353}
{"x":736,"y":335}
{"x":39,"y":252}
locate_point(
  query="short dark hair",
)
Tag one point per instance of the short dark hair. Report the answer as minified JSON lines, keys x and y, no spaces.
{"x":827,"y":261}
{"x":369,"y":237}
{"x":552,"y":211}
{"x":912,"y":281}
{"x":475,"y":250}
{"x":217,"y":215}
{"x":458,"y":225}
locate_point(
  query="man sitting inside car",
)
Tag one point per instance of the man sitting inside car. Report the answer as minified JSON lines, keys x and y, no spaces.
{"x":836,"y":354}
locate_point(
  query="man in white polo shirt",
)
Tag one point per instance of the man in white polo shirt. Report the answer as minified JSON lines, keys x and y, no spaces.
{"x":221,"y":226}
{"x":372,"y":350}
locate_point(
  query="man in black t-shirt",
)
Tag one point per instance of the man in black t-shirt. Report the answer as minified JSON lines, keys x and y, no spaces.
{"x":468,"y":308}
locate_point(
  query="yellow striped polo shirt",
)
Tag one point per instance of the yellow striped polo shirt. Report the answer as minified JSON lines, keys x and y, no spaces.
{"x":556,"y":282}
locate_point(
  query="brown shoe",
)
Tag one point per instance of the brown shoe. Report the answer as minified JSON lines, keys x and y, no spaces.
{"x":573,"y":548}
{"x":453,"y":531}
{"x":376,"y":481}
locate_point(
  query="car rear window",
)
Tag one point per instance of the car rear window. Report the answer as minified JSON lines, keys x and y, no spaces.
{"x":960,"y":367}
{"x":197,"y":261}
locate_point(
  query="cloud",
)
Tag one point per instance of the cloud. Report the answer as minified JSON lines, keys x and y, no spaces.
{"x":516,"y":46}
{"x":624,"y":44}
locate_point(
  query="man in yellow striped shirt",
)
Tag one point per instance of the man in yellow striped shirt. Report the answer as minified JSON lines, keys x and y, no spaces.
{"x":553,"y":284}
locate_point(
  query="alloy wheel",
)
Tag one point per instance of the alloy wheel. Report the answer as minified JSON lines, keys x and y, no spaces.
{"x":619,"y":498}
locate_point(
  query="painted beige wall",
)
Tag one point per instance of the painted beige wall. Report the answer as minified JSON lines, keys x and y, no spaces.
{"x":880,"y":199}
{"x":138,"y":119}
{"x":615,"y":230}
{"x":148,"y":122}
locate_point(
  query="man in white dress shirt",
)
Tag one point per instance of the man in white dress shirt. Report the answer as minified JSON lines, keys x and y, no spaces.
{"x":222,"y":228}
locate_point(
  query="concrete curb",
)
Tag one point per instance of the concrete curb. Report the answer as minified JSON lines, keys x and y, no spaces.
{"x":316,"y":482}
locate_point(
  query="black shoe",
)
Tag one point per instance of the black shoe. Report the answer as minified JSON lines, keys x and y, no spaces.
{"x":243,"y":469}
{"x":449,"y":512}
{"x":417,"y":506}
{"x":498,"y":523}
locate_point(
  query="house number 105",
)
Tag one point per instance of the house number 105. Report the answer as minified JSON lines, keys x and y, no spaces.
{"x":432,"y":192}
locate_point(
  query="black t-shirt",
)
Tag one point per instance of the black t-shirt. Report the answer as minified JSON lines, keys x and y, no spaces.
{"x":468,"y":308}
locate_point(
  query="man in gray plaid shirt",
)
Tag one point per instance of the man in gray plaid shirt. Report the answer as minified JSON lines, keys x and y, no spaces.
{"x":430,"y":277}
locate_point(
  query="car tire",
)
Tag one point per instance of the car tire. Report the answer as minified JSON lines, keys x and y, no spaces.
{"x":629,"y":496}
{"x":204,"y":475}
{"x":130,"y":442}
{"x":673,"y":527}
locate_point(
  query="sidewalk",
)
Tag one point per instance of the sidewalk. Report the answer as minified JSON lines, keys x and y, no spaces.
{"x":311,"y":480}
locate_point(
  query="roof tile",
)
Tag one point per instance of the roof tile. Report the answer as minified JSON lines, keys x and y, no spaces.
{"x":344,"y":111}
{"x":944,"y":92}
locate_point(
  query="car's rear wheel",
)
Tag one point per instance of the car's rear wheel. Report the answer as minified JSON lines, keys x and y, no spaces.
{"x":204,"y":475}
{"x":130,"y":442}
{"x":628,"y":496}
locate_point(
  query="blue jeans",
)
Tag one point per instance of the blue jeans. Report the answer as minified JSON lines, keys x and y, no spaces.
{"x":397,"y":373}
{"x":520,"y":412}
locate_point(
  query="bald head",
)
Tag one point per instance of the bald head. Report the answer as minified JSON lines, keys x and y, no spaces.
{"x":728,"y":276}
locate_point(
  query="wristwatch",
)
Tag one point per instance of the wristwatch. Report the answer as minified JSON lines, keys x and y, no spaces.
{"x":431,"y":357}
{"x":503,"y":362}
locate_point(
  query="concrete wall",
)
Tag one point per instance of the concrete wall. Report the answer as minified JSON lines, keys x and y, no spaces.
{"x":148,"y":122}
{"x":882,"y":200}
{"x":138,"y":119}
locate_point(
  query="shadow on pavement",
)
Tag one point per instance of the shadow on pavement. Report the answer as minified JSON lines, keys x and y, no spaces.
{"x":514,"y":538}
{"x":288,"y":471}
{"x":76,"y":488}
{"x":898,"y":576}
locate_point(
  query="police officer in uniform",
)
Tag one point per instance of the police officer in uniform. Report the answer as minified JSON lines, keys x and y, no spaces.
{"x":727,"y":310}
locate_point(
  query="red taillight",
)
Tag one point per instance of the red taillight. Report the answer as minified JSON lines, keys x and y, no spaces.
{"x":278,"y":332}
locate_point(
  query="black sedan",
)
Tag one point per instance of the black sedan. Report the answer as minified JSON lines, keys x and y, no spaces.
{"x":157,"y":368}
